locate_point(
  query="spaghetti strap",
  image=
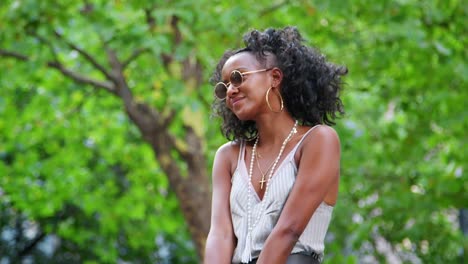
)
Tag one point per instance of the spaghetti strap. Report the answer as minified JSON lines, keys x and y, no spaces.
{"x":241,"y":153}
{"x":303,"y":137}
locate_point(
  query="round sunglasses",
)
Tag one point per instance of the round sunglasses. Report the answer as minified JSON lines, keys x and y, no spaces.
{"x":235,"y":79}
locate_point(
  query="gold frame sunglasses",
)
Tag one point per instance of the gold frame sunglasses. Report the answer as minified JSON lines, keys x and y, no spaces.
{"x":236,"y":79}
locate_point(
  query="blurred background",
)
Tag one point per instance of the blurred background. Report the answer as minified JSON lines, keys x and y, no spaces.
{"x":107,"y":140}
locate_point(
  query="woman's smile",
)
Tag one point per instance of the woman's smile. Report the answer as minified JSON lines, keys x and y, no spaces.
{"x":235,"y":101}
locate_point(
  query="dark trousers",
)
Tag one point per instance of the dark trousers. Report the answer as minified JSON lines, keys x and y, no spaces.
{"x":299,"y":258}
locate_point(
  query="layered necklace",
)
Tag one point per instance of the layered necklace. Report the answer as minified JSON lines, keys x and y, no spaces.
{"x":246,"y":256}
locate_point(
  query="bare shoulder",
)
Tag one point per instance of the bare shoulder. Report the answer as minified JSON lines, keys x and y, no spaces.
{"x":322,"y":136}
{"x":226,"y":156}
{"x":228,"y":149}
{"x":321,"y":141}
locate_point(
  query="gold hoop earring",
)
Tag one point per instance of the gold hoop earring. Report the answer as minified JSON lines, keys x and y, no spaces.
{"x":268,"y":101}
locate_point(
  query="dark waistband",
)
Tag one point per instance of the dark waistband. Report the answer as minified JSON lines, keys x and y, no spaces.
{"x":299,"y":258}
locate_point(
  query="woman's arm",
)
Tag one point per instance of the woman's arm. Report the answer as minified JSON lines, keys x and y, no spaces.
{"x":221,"y":240}
{"x":317,"y":176}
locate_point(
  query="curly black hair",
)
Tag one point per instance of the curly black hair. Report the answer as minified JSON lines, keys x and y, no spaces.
{"x":310,"y":87}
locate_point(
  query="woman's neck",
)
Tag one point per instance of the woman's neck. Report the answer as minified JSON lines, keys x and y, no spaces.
{"x":274,"y":129}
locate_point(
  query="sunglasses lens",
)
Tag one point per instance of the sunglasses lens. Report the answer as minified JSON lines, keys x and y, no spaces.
{"x":236,"y":78}
{"x":220,"y":90}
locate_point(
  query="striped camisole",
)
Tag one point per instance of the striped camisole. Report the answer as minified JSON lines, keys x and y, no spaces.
{"x":311,"y":240}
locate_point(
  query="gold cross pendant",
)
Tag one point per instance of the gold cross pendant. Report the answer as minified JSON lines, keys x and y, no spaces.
{"x":262,"y":181}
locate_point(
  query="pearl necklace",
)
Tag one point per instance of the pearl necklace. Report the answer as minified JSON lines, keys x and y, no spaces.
{"x":246,"y":256}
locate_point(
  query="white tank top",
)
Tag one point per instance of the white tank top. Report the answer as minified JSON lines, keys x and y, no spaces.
{"x":311,"y":240}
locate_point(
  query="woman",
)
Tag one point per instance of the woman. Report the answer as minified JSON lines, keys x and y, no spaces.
{"x":276,"y":182}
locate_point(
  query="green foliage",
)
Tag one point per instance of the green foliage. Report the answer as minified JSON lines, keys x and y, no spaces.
{"x":74,"y":164}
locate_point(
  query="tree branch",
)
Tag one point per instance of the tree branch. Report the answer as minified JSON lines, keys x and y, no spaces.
{"x":28,"y":248}
{"x":67,"y":72}
{"x":46,"y":42}
{"x":80,"y":78}
{"x":122,"y":89}
{"x":133,"y":56}
{"x":177,"y":33}
{"x":168,"y":58}
{"x":12,"y":54}
{"x":273,"y":8}
{"x":149,"y":18}
{"x":169,"y":118}
{"x":86,"y":55}
{"x":202,"y":99}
